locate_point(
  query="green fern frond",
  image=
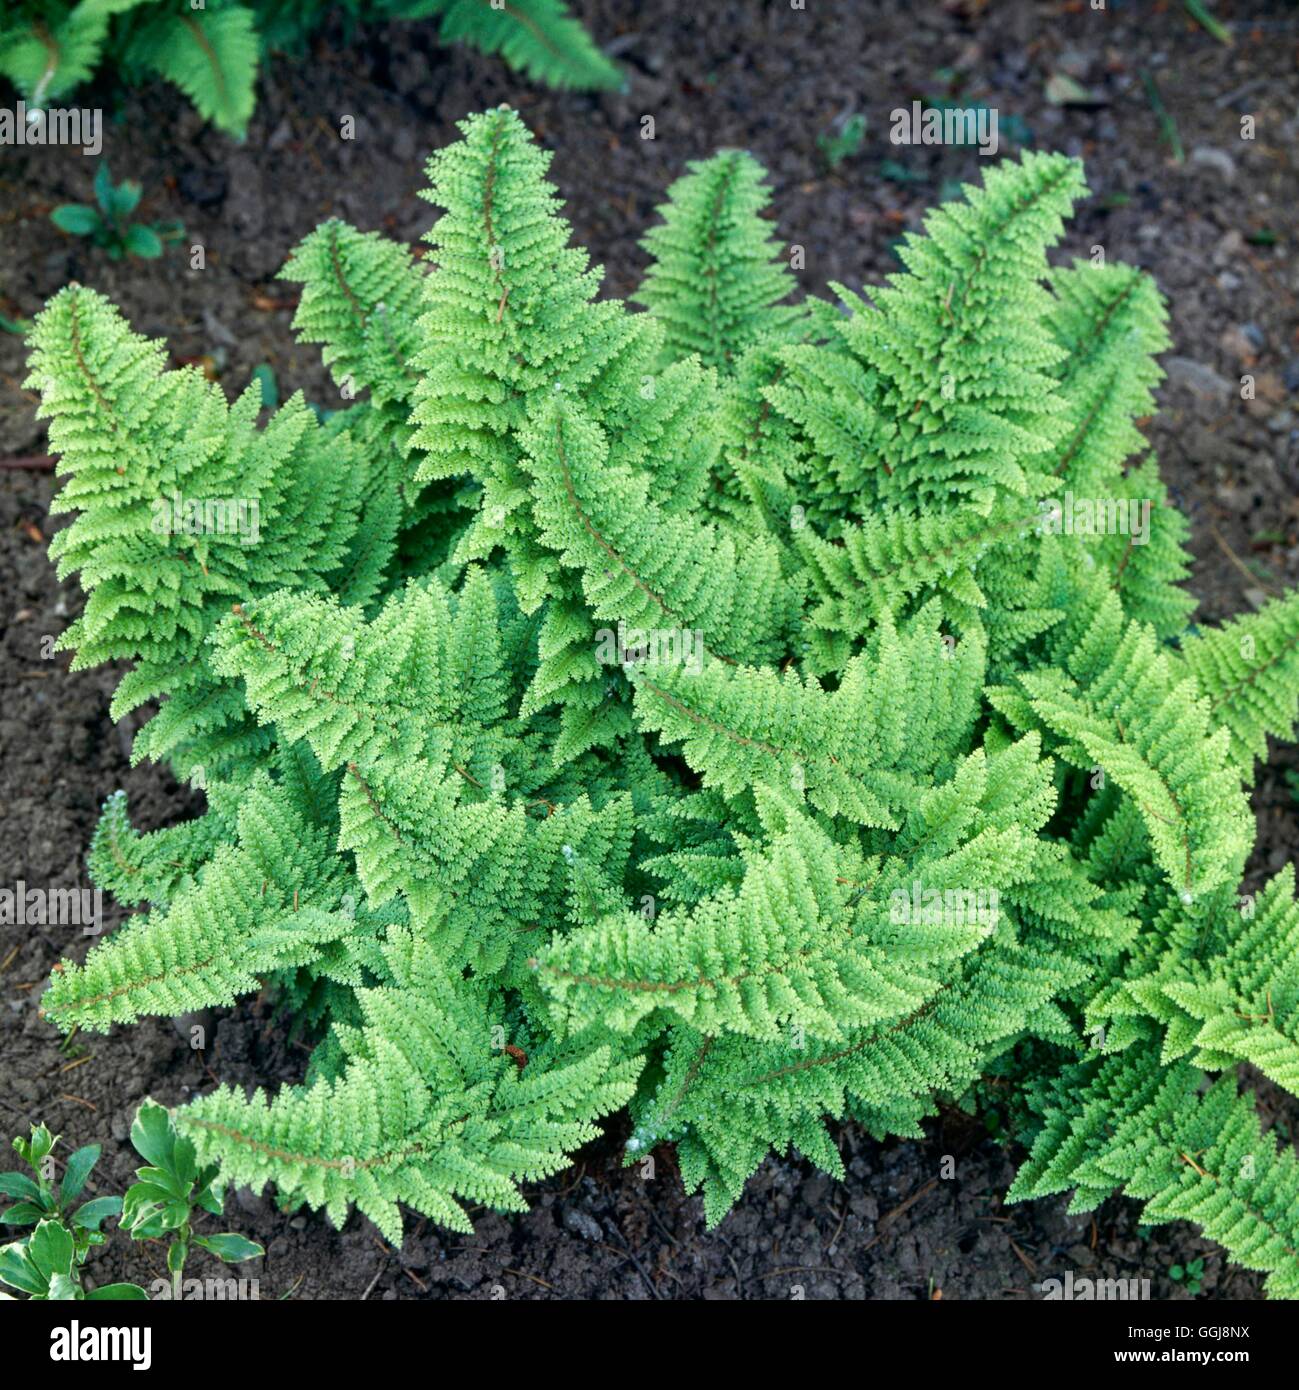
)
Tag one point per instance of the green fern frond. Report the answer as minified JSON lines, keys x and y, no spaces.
{"x":1127,"y":1123}
{"x":211,"y":51}
{"x":211,"y":55}
{"x":360,"y":300}
{"x":261,"y":905}
{"x":428,"y":1110}
{"x":47,"y":57}
{"x":1248,"y":670}
{"x":536,"y":37}
{"x":172,"y":488}
{"x":714,"y":281}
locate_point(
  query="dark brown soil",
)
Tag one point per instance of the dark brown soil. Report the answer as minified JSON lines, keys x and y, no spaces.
{"x":1216,"y":230}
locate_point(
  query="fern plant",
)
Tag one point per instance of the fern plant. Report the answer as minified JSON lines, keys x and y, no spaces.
{"x":48,"y":48}
{"x":703,"y":710}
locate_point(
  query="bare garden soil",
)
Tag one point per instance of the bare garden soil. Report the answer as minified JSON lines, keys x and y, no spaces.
{"x":1217,"y":230}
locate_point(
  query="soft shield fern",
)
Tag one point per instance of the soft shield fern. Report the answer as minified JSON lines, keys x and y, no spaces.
{"x":211,"y":51}
{"x":704,"y":710}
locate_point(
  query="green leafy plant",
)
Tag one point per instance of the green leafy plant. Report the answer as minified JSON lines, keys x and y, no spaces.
{"x":19,"y":326}
{"x":730,"y":711}
{"x":894,"y":172}
{"x":48,"y":48}
{"x":264,"y":375}
{"x":169,"y":1194}
{"x":47,"y":1263}
{"x":843,"y":140}
{"x":1203,"y":16}
{"x":1188,"y":1275}
{"x":46,"y":1267}
{"x":171,"y":1191}
{"x":109,"y":224}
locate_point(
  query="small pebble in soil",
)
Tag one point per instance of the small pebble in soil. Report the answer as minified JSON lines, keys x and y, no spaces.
{"x":582,"y":1223}
{"x":1206,"y":157}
